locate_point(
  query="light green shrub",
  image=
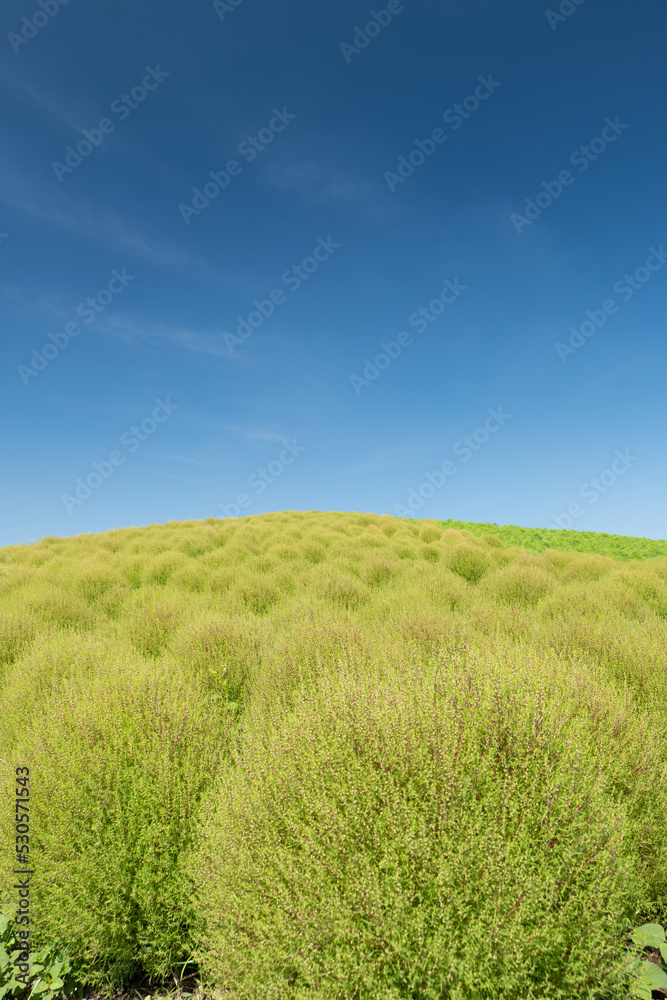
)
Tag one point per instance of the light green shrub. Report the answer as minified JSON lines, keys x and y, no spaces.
{"x":493,"y":542}
{"x":585,"y":568}
{"x":17,"y":631}
{"x":379,"y":571}
{"x":224,"y":650}
{"x":231,"y":621}
{"x":161,"y":569}
{"x":521,"y":585}
{"x":372,"y":844}
{"x":470,"y":562}
{"x":56,"y":606}
{"x":258,"y":593}
{"x":430,"y":533}
{"x":151,"y":621}
{"x":117,"y":776}
{"x":93,"y":583}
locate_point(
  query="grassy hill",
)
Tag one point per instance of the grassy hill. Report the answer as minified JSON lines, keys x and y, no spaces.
{"x":619,"y":547}
{"x":321,"y":756}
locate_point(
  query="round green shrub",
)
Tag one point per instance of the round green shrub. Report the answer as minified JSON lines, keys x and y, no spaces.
{"x":117,"y":776}
{"x":375,"y":843}
{"x":469,"y":561}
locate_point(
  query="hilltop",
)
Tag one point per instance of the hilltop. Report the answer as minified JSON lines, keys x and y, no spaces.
{"x":304,"y":753}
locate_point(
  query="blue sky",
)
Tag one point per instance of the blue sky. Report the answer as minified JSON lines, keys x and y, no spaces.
{"x":215,"y":218}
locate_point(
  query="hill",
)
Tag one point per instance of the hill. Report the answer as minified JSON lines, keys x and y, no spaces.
{"x":307,"y":754}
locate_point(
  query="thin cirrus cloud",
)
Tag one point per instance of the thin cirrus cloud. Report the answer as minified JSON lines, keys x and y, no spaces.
{"x":97,"y":223}
{"x":83,"y":219}
{"x":141,"y":336}
{"x":48,"y":108}
{"x":158,"y":335}
{"x":41,"y":305}
{"x":327,"y":188}
{"x":185,"y":479}
{"x":308,"y":178}
{"x":256,"y":434}
{"x":259,"y":434}
{"x":187,"y":459}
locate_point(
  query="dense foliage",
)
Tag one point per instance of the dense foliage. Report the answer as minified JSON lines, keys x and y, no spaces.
{"x":338,"y":755}
{"x":621,"y":547}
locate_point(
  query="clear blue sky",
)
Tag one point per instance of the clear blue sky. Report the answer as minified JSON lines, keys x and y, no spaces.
{"x":465,"y":183}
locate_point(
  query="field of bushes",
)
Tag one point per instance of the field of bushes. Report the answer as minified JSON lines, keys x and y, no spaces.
{"x":339,"y":756}
{"x":620,"y":547}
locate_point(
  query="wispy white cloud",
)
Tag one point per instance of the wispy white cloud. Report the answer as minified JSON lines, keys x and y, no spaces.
{"x":189,"y":460}
{"x":48,"y":203}
{"x":143,"y":336}
{"x":25,"y":89}
{"x":41,"y":305}
{"x":184,"y":479}
{"x":179,"y":458}
{"x":314,"y":184}
{"x":328,"y":188}
{"x":244,"y":433}
{"x":97,"y":223}
{"x":259,"y":434}
{"x":158,"y":335}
